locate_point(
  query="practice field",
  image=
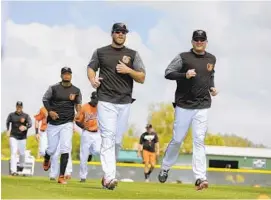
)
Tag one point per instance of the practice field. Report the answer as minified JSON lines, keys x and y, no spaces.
{"x":42,"y":188}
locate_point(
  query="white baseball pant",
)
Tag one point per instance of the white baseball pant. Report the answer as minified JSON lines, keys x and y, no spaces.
{"x":113,"y":122}
{"x":15,"y":147}
{"x":183,"y":119}
{"x":54,"y":169}
{"x":60,"y":137}
{"x":90,"y":144}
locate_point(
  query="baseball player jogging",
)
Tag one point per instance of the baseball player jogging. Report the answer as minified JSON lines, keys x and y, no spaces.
{"x":90,"y":138}
{"x":41,"y":137}
{"x":119,"y":68}
{"x":60,"y":100}
{"x":194,"y":74}
{"x":149,"y":150}
{"x":20,"y":123}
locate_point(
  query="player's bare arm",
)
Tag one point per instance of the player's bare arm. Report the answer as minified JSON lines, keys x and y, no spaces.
{"x":46,"y":102}
{"x":93,"y":67}
{"x":37,"y":130}
{"x":139,"y":150}
{"x":78,"y":105}
{"x":173,"y":70}
{"x":95,"y":81}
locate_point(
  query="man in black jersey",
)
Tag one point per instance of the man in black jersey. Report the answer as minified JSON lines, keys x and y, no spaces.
{"x":119,"y":68}
{"x":194,"y":73}
{"x":20,"y":123}
{"x":60,"y":100}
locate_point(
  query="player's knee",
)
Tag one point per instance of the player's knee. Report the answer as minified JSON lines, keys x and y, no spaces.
{"x":176,"y":141}
{"x":147,"y":163}
{"x":198,"y":141}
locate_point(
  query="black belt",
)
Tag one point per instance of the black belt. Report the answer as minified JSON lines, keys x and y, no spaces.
{"x":92,"y":131}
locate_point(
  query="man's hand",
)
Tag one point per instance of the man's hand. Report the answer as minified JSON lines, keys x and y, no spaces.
{"x":53,"y":115}
{"x":122,"y":68}
{"x":96,"y":82}
{"x":77,"y":116}
{"x":38,"y":137}
{"x":139,"y":154}
{"x":213,"y":91}
{"x":22,"y":128}
{"x":8,"y":133}
{"x":190,"y":73}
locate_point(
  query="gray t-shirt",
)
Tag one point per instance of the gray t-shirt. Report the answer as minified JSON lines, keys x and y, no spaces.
{"x":115,"y":87}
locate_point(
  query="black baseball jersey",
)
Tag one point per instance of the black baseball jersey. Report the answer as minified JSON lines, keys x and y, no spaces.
{"x":115,"y":87}
{"x":193,"y":93}
{"x":17,"y":120}
{"x":148,"y":141}
{"x":62,"y":100}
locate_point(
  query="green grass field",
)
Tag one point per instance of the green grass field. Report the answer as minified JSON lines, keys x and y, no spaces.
{"x":42,"y":188}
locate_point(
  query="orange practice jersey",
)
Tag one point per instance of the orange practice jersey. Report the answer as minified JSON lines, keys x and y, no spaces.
{"x":88,"y":117}
{"x":42,"y":116}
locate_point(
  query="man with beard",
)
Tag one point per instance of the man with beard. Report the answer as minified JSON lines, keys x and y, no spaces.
{"x":119,"y":68}
{"x":60,"y":100}
{"x":90,"y":138}
{"x":194,"y":73}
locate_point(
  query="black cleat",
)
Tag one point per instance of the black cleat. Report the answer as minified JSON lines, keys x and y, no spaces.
{"x":201,"y":184}
{"x":52,"y":179}
{"x":89,"y":158}
{"x":111,"y":185}
{"x":163,"y":175}
{"x":83,"y":180}
{"x":20,"y":169}
{"x":14,"y":174}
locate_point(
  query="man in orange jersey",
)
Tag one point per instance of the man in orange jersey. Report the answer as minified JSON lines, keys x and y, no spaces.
{"x":90,"y":138}
{"x":41,"y":137}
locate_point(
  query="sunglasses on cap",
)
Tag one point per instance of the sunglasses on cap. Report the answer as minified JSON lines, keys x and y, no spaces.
{"x":199,"y":39}
{"x":120,"y":31}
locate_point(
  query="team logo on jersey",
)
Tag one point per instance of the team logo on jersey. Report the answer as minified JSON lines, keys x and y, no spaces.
{"x":22,"y":120}
{"x":126,"y":59}
{"x":72,"y":96}
{"x":210,"y":67}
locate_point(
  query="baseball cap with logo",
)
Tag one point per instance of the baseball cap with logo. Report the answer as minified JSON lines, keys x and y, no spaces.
{"x":19,"y":103}
{"x":66,"y":69}
{"x":199,"y":34}
{"x":119,"y":27}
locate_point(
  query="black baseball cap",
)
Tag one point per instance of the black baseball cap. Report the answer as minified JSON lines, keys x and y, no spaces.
{"x":148,"y":126}
{"x":199,"y":34}
{"x":19,"y":103}
{"x":119,"y":27}
{"x":93,"y":95}
{"x":66,"y":69}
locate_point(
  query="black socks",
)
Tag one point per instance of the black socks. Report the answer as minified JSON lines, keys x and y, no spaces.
{"x":63,"y":163}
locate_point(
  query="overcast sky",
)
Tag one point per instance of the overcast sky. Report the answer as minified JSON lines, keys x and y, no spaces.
{"x":39,"y":43}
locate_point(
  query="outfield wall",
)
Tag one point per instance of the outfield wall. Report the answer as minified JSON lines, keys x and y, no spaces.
{"x":134,"y":172}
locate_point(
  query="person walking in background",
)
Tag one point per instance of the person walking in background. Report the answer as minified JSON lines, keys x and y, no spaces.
{"x":148,"y":149}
